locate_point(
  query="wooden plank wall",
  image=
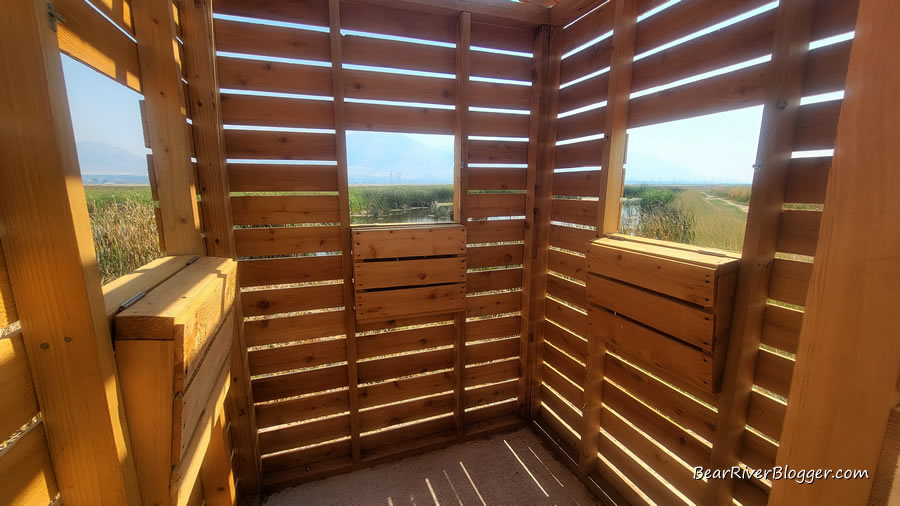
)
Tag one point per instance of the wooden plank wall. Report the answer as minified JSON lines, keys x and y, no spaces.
{"x":654,"y":427}
{"x":393,"y":390}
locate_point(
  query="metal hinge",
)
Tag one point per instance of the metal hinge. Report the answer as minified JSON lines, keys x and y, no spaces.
{"x":130,"y":302}
{"x":53,"y":16}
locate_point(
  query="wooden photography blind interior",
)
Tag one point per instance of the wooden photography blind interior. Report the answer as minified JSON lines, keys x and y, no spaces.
{"x":331,"y":347}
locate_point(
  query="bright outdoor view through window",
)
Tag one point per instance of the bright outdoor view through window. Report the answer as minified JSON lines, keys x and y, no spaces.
{"x":688,"y":181}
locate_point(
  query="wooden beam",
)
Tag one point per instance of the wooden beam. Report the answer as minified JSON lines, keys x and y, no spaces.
{"x":848,"y":356}
{"x":501,"y":12}
{"x":548,"y":44}
{"x":337,"y":75}
{"x":154,"y":27}
{"x":566,"y":11}
{"x":460,"y":193}
{"x":783,"y":93}
{"x":218,"y":225}
{"x":52,"y":267}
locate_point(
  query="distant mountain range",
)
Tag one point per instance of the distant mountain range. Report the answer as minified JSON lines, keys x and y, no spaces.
{"x":103,"y":163}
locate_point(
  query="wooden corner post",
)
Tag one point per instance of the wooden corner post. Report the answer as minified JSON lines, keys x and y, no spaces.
{"x":844,"y":386}
{"x":783,"y":93}
{"x":52,"y":266}
{"x":218,"y":224}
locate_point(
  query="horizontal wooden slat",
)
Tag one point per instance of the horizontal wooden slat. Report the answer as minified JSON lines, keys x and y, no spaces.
{"x":493,"y":327}
{"x":85,"y":35}
{"x":389,"y":118}
{"x":492,"y":350}
{"x":384,"y":305}
{"x":278,"y":77}
{"x":267,"y":40}
{"x":495,"y":256}
{"x":572,"y":239}
{"x":567,"y":317}
{"x":390,"y":443}
{"x":276,"y":111}
{"x":646,"y":481}
{"x":480,"y":396}
{"x":271,"y":177}
{"x":405,"y":365}
{"x":582,"y":183}
{"x":789,"y":281}
{"x":397,"y":323}
{"x":686,"y":18}
{"x":566,"y":365}
{"x":402,"y":341}
{"x":586,"y":62}
{"x":579,"y":154}
{"x":731,"y":45}
{"x":556,"y":403}
{"x":483,"y":281}
{"x":487,"y":231}
{"x":798,"y":232}
{"x":498,"y":152}
{"x":781,"y":328}
{"x":498,"y":124}
{"x":304,"y":434}
{"x":816,"y":125}
{"x":257,"y":242}
{"x":27,"y":471}
{"x":584,"y":93}
{"x":368,"y":275}
{"x":807,"y":179}
{"x":294,"y":410}
{"x":558,"y":432}
{"x":508,"y":38}
{"x":294,"y":328}
{"x":669,"y":399}
{"x":279,"y":145}
{"x":288,"y":270}
{"x":826,"y":68}
{"x":653,"y":348}
{"x":677,"y":440}
{"x":312,"y":12}
{"x":285,"y":210}
{"x":288,"y":300}
{"x":568,"y":265}
{"x":287,"y":465}
{"x":384,"y":242}
{"x":567,"y":291}
{"x":385,"y":416}
{"x":766,"y":415}
{"x":568,"y":390}
{"x":686,"y":322}
{"x":688,"y":282}
{"x":18,"y":404}
{"x":568,"y":342}
{"x":591,"y":26}
{"x":408,"y":388}
{"x":484,"y":305}
{"x":833,"y":17}
{"x":749,"y":494}
{"x":773,"y":372}
{"x":490,"y":373}
{"x":496,"y":178}
{"x":374,"y":52}
{"x":757,"y":452}
{"x":402,"y":23}
{"x":500,"y":66}
{"x":485,"y":205}
{"x":499,"y":95}
{"x":734,"y":90}
{"x":581,"y":124}
{"x":398,"y":87}
{"x":297,"y":357}
{"x":582,"y":212}
{"x":299,"y":383}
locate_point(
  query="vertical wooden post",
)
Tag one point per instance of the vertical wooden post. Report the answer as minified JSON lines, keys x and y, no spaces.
{"x":154,"y":28}
{"x":783,"y":93}
{"x":52,"y":266}
{"x":848,"y":360}
{"x":337,"y":73}
{"x":460,"y":193}
{"x":218,"y":225}
{"x":215,"y":473}
{"x":612,"y":179}
{"x":547,"y":48}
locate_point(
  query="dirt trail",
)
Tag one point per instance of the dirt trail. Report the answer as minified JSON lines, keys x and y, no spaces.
{"x":742,"y":207}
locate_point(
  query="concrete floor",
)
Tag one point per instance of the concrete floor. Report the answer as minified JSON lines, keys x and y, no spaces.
{"x":513,"y":468}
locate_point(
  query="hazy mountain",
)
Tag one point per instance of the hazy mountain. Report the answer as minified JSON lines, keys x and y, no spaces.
{"x":419,"y":159}
{"x":104,"y":163}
